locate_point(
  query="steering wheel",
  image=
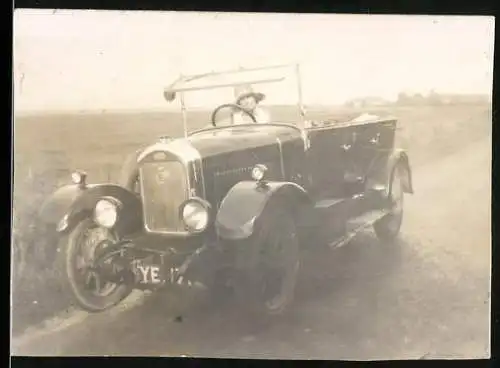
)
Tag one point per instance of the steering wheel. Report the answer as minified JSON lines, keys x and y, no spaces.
{"x":233,"y":106}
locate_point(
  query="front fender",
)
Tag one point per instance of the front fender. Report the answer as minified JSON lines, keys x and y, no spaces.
{"x":71,"y":203}
{"x":130,"y":171}
{"x":246,"y":202}
{"x":400,"y":157}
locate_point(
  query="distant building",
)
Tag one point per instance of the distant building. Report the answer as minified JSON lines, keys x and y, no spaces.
{"x":469,"y":99}
{"x":435,"y":98}
{"x":367,"y":102}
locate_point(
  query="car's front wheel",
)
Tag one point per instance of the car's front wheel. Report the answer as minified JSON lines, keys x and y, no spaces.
{"x":269,"y":287}
{"x":76,"y":252}
{"x":387,"y":229}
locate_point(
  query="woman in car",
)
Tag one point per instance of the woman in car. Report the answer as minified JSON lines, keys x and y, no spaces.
{"x":249,"y":101}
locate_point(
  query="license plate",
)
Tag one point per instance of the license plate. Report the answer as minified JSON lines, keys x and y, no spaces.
{"x":150,"y":271}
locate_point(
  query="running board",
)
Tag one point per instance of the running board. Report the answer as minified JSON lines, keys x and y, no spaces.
{"x":356,"y":225}
{"x":328,"y":203}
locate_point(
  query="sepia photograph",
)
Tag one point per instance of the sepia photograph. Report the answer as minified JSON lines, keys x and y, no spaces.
{"x":251,"y":185}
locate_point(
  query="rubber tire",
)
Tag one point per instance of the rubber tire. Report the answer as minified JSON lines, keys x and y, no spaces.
{"x":246,"y":292}
{"x":384,"y":231}
{"x":67,"y":250}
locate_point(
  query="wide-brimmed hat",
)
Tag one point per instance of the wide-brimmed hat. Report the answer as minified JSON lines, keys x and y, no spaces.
{"x":241,"y":92}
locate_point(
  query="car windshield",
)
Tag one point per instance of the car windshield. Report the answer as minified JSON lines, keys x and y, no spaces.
{"x":243,"y":96}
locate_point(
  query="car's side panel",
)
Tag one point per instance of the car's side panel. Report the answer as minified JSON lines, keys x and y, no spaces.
{"x":225,"y":170}
{"x":293,"y":156}
{"x":350,"y":160}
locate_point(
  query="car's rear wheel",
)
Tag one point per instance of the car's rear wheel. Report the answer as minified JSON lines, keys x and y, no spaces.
{"x":86,"y":288}
{"x":387,"y":229}
{"x":269,"y":286}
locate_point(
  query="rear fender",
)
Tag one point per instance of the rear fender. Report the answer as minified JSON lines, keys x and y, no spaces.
{"x":70,"y":204}
{"x":246,"y":203}
{"x":400,"y":157}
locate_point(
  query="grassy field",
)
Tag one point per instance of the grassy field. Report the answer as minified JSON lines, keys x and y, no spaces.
{"x":56,"y":144}
{"x":47,"y":148}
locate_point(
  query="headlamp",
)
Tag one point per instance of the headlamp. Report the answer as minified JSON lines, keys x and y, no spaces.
{"x":195,"y":213}
{"x":106,"y":212}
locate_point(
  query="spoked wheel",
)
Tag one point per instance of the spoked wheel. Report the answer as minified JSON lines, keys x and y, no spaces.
{"x":271,"y":285}
{"x":76,"y":255}
{"x":387,"y":228}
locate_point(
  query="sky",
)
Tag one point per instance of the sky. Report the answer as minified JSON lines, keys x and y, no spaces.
{"x":89,"y":59}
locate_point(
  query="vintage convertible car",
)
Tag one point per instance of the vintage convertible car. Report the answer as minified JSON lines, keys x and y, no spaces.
{"x":228,"y":207}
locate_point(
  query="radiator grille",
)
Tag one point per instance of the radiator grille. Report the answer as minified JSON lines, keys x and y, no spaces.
{"x":163,"y":189}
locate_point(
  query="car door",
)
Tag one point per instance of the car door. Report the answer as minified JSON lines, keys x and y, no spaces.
{"x":326,"y":159}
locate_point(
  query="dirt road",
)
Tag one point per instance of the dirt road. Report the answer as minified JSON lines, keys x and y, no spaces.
{"x":427,"y":297}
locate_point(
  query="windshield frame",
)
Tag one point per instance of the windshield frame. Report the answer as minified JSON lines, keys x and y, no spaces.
{"x":182,"y":85}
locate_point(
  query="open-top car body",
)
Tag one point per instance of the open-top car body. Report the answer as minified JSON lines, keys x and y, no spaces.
{"x":229,"y":204}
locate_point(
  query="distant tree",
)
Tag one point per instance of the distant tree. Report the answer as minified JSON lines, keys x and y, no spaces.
{"x":418,"y":99}
{"x":434,"y":98}
{"x":350,"y":104}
